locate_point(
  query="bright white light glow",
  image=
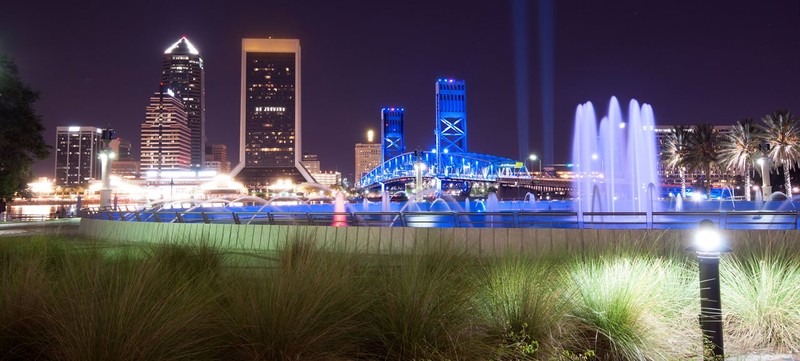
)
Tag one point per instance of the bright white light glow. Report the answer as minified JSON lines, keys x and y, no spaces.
{"x":370,"y":136}
{"x":621,"y":125}
{"x":760,"y":161}
{"x":595,"y":156}
{"x":41,"y":186}
{"x":533,"y":157}
{"x":697,"y":197}
{"x":708,"y":240}
{"x":74,"y":129}
{"x":189,"y":45}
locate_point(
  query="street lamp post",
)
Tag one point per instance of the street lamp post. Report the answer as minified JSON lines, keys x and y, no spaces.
{"x":766,"y":186}
{"x":709,"y":245}
{"x":534,"y":157}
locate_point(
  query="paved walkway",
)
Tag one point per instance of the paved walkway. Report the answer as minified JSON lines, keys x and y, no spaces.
{"x":65,"y":226}
{"x":786,"y":357}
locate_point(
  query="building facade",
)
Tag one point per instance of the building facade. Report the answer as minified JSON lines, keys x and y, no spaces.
{"x":451,"y":116}
{"x":368,"y":156}
{"x":392,"y":133}
{"x":124,"y":165}
{"x":166,"y":138}
{"x":218,"y":153}
{"x":270,"y":119}
{"x":312,"y":164}
{"x":77,"y":159}
{"x":182,"y":72}
{"x":328,"y":179}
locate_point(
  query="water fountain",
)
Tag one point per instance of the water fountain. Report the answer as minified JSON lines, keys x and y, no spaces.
{"x":339,"y":219}
{"x":619,"y":158}
{"x":492,"y":204}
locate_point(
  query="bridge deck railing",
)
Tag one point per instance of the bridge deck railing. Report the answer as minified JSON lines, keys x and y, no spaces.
{"x":774,"y":220}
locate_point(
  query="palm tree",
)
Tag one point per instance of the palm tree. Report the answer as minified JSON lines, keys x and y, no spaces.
{"x":673,"y":149}
{"x":781,"y":132}
{"x":739,"y":149}
{"x":701,"y":155}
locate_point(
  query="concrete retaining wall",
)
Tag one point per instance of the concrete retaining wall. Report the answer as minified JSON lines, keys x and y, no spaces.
{"x":480,"y":241}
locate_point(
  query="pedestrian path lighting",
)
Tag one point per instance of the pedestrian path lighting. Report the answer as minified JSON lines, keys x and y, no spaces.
{"x":709,"y":244}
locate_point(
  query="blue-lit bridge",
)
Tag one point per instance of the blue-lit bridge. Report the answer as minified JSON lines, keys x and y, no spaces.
{"x":450,"y":166}
{"x":458,"y":171}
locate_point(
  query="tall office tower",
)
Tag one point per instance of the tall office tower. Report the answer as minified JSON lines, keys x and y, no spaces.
{"x":219,"y":153}
{"x":392,"y":132}
{"x":182,"y":72}
{"x":311,"y":162}
{"x":451,"y":116}
{"x":166,"y":138}
{"x":269,"y":138}
{"x":77,"y":155}
{"x":368,"y":156}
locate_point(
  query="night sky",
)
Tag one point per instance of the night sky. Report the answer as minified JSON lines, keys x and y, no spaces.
{"x":710,"y":61}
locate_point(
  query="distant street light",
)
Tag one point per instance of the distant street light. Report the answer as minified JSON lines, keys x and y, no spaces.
{"x":534,"y":157}
{"x":709,"y":245}
{"x":766,"y":186}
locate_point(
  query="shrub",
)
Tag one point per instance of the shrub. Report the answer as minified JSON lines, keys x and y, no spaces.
{"x":132,"y":308}
{"x":522,"y":301}
{"x":424,"y":309}
{"x":761,"y":301}
{"x":305,"y":308}
{"x":629,"y":309}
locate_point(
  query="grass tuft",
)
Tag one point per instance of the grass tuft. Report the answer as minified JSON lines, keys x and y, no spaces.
{"x":628,"y":309}
{"x":523,"y":302}
{"x":305,"y":308}
{"x":761,"y":301}
{"x":132,"y":308}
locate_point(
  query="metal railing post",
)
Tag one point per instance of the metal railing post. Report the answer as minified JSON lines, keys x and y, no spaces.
{"x":205,"y":218}
{"x":156,"y":217}
{"x":236,"y":218}
{"x":179,"y":217}
{"x":138,"y":217}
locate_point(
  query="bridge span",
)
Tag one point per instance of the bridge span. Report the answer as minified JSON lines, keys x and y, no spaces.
{"x":458,"y":172}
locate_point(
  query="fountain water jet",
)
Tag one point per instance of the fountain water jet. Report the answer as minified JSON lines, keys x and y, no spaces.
{"x":620,"y":158}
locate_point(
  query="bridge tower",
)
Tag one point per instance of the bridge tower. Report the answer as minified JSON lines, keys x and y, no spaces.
{"x":451,"y":117}
{"x":392,"y":135}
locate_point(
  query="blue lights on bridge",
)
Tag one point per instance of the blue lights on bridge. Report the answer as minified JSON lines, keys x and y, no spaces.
{"x":449,"y":161}
{"x":451,"y":167}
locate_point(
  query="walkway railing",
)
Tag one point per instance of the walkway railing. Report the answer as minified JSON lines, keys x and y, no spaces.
{"x":773,"y":220}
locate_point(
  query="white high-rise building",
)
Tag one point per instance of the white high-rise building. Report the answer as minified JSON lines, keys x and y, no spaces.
{"x":270,"y":119}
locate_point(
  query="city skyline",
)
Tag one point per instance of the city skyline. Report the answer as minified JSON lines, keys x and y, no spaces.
{"x":694,"y":63}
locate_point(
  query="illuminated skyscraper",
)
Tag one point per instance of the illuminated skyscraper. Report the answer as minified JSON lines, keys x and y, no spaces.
{"x":166,"y":138}
{"x":451,"y":116}
{"x":76,"y":155}
{"x":392,"y":132}
{"x":270,"y":146}
{"x":182,"y":72}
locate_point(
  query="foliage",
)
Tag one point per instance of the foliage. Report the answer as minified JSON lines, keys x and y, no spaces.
{"x":21,"y":141}
{"x":424,"y":308}
{"x":673,"y":152}
{"x":701,"y":155}
{"x":761,"y":297}
{"x":740,"y":148}
{"x":634,"y":299}
{"x":629,"y":309}
{"x":781,"y":132}
{"x":523,"y":303}
{"x":306,"y":308}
